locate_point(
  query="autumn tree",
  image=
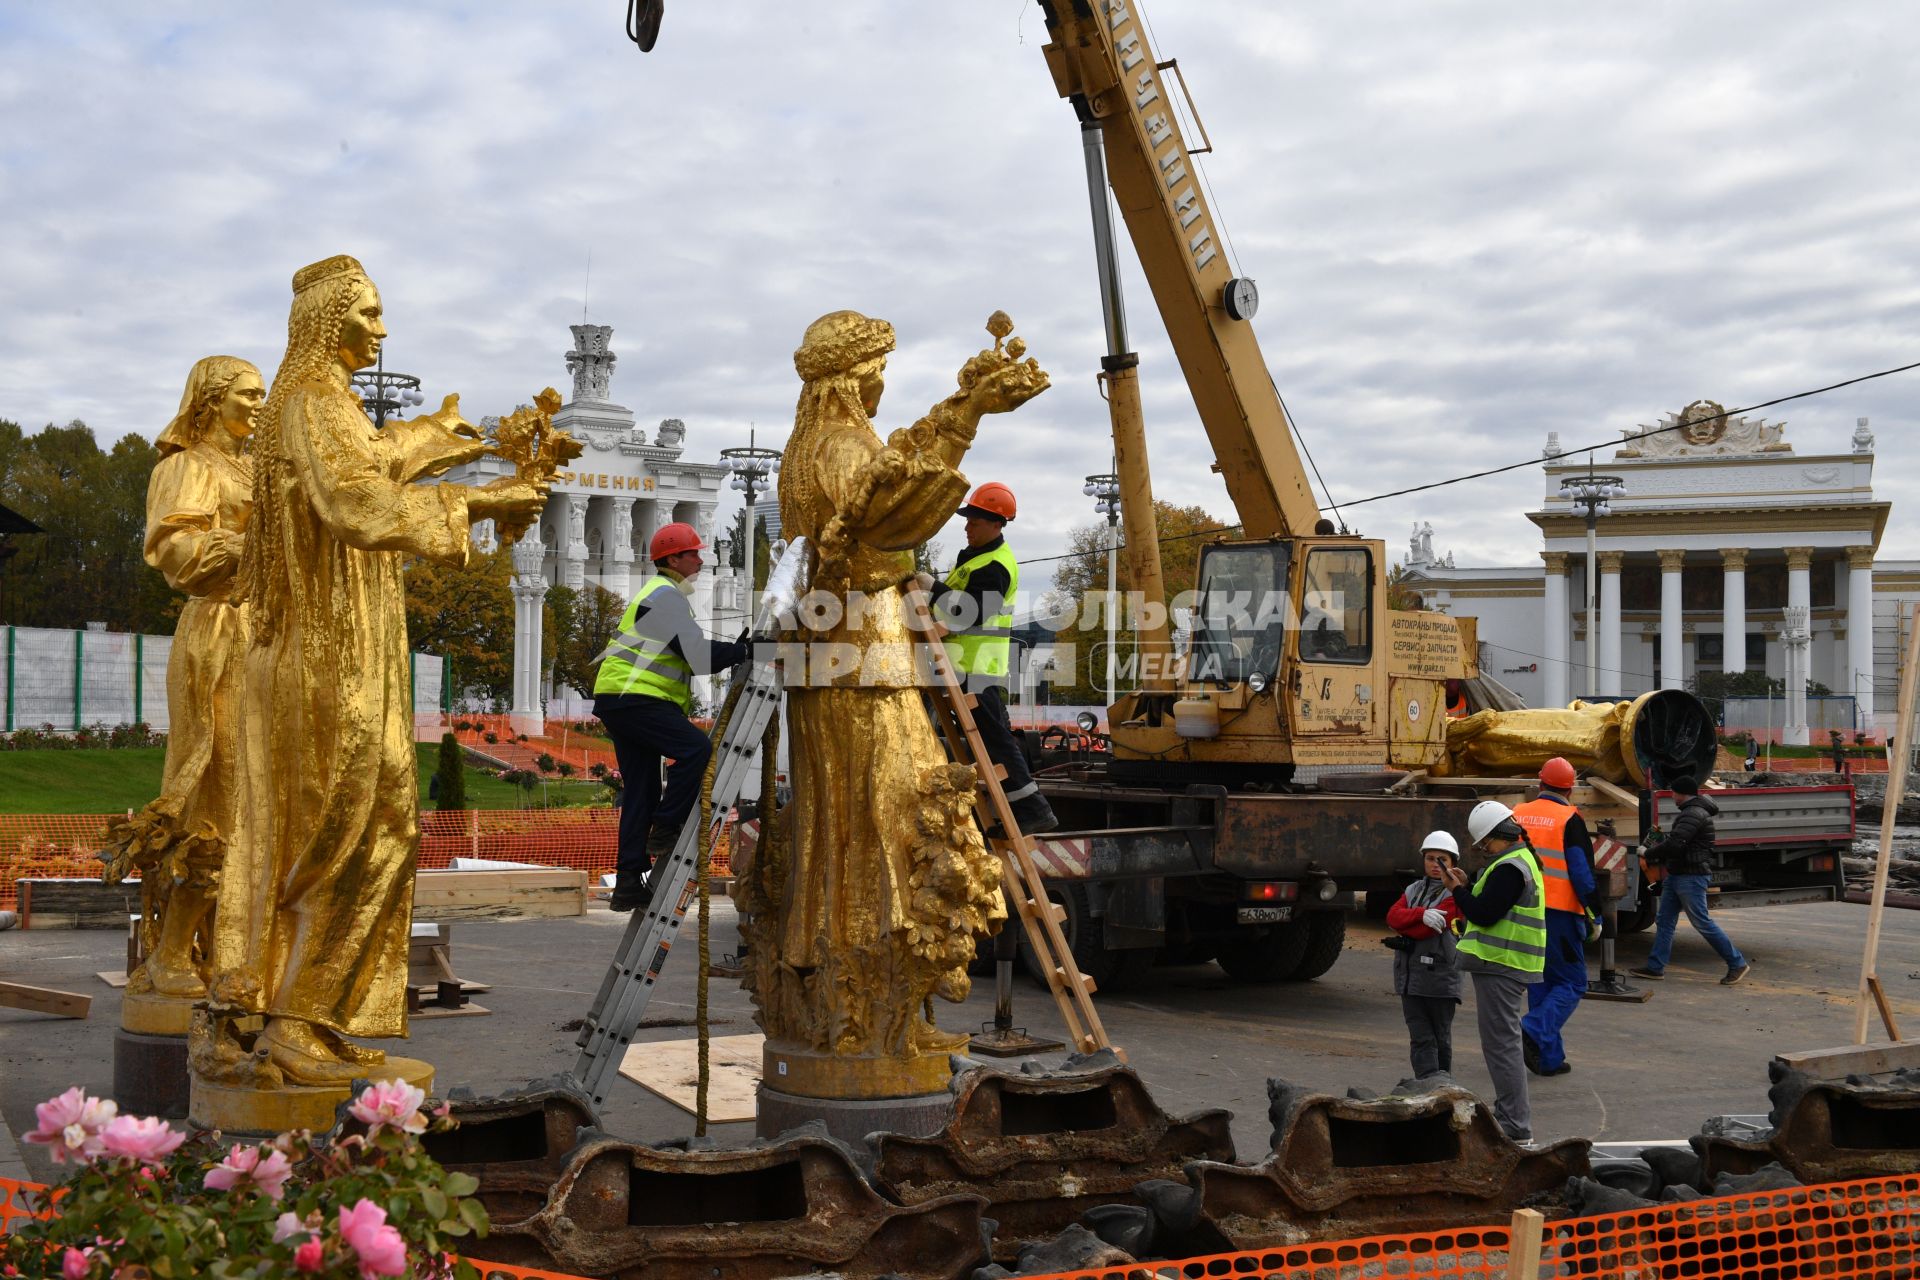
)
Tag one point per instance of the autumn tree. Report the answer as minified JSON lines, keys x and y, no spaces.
{"x":88,"y":565}
{"x":466,"y":616}
{"x":585,"y":621}
{"x":1080,"y":583}
{"x":762,"y":548}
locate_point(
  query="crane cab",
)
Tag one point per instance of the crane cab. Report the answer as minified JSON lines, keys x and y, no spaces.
{"x":1294,"y":660}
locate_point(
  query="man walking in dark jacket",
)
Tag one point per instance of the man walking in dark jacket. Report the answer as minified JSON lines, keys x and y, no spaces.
{"x":1687,"y":854}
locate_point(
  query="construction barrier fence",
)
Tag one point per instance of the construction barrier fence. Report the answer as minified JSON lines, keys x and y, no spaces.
{"x":71,"y":679}
{"x":34,"y":846}
{"x":1864,"y":1230}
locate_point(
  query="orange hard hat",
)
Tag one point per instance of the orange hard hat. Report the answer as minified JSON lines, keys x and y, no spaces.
{"x":1558,"y":774}
{"x":992,"y":499}
{"x":672,"y":539}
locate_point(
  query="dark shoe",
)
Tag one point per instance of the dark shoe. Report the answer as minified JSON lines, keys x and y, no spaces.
{"x":1735,"y":975}
{"x":1530,"y":1053}
{"x":1034,"y":814}
{"x":660,"y":844}
{"x":630,"y":891}
{"x":1560,"y":1070}
{"x":1651,"y":975}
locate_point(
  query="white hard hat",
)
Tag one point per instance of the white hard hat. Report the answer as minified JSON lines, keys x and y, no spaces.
{"x":1486,"y":815}
{"x":1440,"y":840}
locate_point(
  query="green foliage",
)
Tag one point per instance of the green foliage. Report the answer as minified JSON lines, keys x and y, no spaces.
{"x":118,"y":1215}
{"x":88,"y":565}
{"x":1715,"y":687}
{"x":584,"y":623}
{"x":92,"y":737}
{"x":762,"y":548}
{"x":452,"y":774}
{"x":466,"y":616}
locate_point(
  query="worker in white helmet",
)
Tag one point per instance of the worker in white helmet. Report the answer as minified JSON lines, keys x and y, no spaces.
{"x":1426,"y":963}
{"x":1503,"y":949}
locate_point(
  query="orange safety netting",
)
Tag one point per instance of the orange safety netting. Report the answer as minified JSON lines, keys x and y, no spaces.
{"x":559,"y":741}
{"x":1864,"y":1230}
{"x":64,"y":845}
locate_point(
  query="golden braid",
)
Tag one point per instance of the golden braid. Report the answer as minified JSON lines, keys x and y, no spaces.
{"x":313,"y":340}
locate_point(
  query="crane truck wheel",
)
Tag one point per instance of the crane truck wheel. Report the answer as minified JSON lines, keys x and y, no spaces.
{"x":1326,"y":935}
{"x":1110,"y":970}
{"x":1267,"y":957}
{"x":1638,"y":916}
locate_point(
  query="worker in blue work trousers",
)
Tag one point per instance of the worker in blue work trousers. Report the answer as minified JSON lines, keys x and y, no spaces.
{"x":974,"y":608}
{"x":1559,"y":837}
{"x":643,"y":693}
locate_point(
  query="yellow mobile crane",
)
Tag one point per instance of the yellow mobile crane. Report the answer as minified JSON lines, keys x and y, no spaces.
{"x":1296,"y":659}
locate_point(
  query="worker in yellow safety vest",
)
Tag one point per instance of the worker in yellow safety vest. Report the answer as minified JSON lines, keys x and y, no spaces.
{"x":974,"y":609}
{"x":643,"y":693}
{"x":1559,"y":837}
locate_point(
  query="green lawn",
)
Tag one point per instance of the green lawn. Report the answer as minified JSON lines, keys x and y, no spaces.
{"x":115,"y":781}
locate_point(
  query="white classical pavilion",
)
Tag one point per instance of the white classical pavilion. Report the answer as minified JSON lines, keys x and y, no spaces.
{"x":602,"y":514}
{"x":1721,"y":531}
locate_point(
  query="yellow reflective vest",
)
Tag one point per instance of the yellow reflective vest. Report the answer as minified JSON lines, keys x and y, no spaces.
{"x":642,"y":664}
{"x":983,"y":649}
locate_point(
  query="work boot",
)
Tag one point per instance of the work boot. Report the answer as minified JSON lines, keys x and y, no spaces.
{"x":1530,"y":1054}
{"x":660,"y":842}
{"x":1034,"y":814}
{"x":1560,"y":1070}
{"x":631,"y":889}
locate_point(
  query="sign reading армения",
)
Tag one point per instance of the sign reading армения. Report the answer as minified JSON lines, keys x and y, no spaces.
{"x":1424,"y":645}
{"x":601,"y":480}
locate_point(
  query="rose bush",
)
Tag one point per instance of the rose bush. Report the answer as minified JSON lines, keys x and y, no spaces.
{"x":148,"y":1201}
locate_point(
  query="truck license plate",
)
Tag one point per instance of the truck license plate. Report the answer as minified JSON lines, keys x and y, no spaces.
{"x":1264,"y":915}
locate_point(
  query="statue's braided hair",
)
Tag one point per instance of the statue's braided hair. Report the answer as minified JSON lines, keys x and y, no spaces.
{"x":322,"y":295}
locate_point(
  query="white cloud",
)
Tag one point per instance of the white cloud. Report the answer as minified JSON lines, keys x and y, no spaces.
{"x":1472,"y":224}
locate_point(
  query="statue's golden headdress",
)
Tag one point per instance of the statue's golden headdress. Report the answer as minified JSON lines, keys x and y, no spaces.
{"x":838,"y":341}
{"x":326,"y":269}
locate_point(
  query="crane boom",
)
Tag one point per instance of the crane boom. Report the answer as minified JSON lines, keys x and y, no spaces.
{"x":1101,"y":61}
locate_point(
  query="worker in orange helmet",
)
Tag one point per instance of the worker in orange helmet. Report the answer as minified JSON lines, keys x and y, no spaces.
{"x":1559,"y":837}
{"x":974,"y":609}
{"x":1457,"y":700}
{"x":643,"y":693}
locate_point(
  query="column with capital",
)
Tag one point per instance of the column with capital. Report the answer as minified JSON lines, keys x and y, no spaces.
{"x":616,"y":574}
{"x":1609,"y":672}
{"x":1733,"y":610}
{"x":1559,"y":650}
{"x":1673,"y":646}
{"x":529,"y":598}
{"x":573,"y":550}
{"x":1799,"y":604}
{"x":1860,"y":632}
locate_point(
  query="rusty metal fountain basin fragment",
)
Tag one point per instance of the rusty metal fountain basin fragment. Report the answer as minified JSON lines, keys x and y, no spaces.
{"x":1044,"y":1148}
{"x":791,"y":1207}
{"x":1830,"y":1131}
{"x":515,"y":1144}
{"x":1344,"y":1168}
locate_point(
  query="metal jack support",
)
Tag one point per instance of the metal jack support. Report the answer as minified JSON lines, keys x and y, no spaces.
{"x":1611,"y":985}
{"x":1000,"y":1038}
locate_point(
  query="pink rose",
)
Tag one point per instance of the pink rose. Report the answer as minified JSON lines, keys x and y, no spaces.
{"x":310,"y":1256}
{"x":71,"y":1125}
{"x":144,"y":1138}
{"x":263,"y":1168}
{"x":286,"y":1226}
{"x":379,"y":1247}
{"x":74,"y":1264}
{"x":390,"y":1104}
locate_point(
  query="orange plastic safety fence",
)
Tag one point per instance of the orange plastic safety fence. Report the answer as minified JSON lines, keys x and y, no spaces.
{"x":34,"y":845}
{"x":19,"y":1200}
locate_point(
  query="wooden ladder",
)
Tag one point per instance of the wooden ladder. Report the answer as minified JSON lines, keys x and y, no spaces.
{"x":1026,"y":891}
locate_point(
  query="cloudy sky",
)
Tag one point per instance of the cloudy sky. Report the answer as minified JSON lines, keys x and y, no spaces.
{"x":1471,"y":223}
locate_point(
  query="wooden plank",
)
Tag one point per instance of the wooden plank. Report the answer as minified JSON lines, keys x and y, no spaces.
{"x":75,"y":903}
{"x":670,"y":1069}
{"x":1852,"y":1059}
{"x":1886,"y":1010}
{"x":468,"y":1010}
{"x":485,"y":895}
{"x":1899,"y":752}
{"x":1523,"y":1248}
{"x":112,"y":979}
{"x":64,"y":1004}
{"x":1619,"y":795}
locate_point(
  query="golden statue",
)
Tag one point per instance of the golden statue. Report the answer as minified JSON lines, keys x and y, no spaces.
{"x":312,"y":925}
{"x":198,"y":501}
{"x":868,"y":899}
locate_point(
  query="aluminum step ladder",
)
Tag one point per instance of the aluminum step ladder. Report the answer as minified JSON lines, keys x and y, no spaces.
{"x":628,"y":987}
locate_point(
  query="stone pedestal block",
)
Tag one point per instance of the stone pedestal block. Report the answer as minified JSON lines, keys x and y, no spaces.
{"x":918,"y":1116}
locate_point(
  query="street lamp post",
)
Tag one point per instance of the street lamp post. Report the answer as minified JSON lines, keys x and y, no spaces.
{"x":753,"y":468}
{"x":1592,"y":496}
{"x":1104,"y":489}
{"x":385,"y":393}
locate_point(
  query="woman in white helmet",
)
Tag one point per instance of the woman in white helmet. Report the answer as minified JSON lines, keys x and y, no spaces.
{"x":1426,"y":965}
{"x":1504,"y":949}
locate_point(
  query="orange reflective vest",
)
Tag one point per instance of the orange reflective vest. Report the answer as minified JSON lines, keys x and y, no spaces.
{"x":1546,"y":826}
{"x":1457,"y":709}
